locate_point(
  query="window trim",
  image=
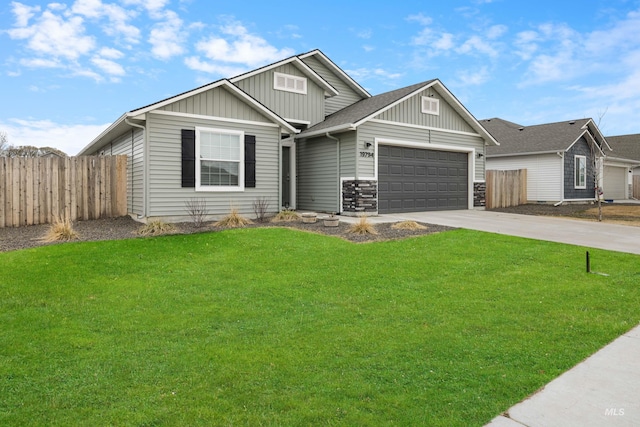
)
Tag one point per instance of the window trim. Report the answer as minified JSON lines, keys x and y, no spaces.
{"x":433,"y":102}
{"x":241,"y":166}
{"x":580,"y":173}
{"x":296,"y":79}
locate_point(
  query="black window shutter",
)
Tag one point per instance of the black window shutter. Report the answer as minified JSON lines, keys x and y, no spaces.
{"x":188,"y":158}
{"x":250,"y":161}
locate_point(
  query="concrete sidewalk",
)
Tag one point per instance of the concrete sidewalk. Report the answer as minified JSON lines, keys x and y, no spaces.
{"x":603,"y":390}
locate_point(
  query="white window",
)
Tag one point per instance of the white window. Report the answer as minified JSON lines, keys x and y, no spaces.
{"x":581,"y":172}
{"x":430,"y":105}
{"x":220,"y":160}
{"x":290,"y":83}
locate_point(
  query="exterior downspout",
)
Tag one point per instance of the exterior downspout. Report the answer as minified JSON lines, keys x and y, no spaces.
{"x":339,"y":200}
{"x":561,"y":155}
{"x":144,"y":144}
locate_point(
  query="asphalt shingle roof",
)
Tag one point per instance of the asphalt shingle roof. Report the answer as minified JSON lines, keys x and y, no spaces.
{"x":625,"y":146}
{"x":364,"y":108}
{"x":517,"y":139}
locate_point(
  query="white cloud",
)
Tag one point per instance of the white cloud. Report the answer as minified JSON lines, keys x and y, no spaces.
{"x":368,"y":73}
{"x":45,"y":133}
{"x":226,"y":71}
{"x":237,"y":45}
{"x":477,"y":45}
{"x":110,"y":53}
{"x":496,"y":31}
{"x":117,"y":16}
{"x":52,"y":35}
{"x":445,"y":42}
{"x":167,"y":37}
{"x":40,"y":63}
{"x":23,"y":13}
{"x":420,"y":19}
{"x":473,"y":78}
{"x":108,"y":66}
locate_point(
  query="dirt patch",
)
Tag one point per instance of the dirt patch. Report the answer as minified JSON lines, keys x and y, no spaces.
{"x":13,"y":238}
{"x":618,"y":213}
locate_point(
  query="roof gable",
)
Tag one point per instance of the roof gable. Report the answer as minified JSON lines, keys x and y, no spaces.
{"x":354,"y":115}
{"x":516,"y":139}
{"x":323,"y":59}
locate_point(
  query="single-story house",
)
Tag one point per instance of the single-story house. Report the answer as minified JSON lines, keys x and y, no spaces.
{"x":561,"y":158}
{"x":299,"y":133}
{"x":620,"y":165}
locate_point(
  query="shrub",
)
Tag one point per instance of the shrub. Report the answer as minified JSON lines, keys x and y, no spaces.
{"x":233,"y":220}
{"x":286,"y":215}
{"x":60,"y":230}
{"x":197,"y":210}
{"x":260,"y":208}
{"x":408,"y":225}
{"x":156,"y":227}
{"x":363,"y":226}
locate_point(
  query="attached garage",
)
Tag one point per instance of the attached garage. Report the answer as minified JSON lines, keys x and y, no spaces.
{"x":615,"y":183}
{"x":416,"y":180}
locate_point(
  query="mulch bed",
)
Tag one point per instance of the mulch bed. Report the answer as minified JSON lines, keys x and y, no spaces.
{"x":14,"y":238}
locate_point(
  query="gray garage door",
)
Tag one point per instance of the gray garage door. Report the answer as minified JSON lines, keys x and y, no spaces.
{"x":415,"y":180}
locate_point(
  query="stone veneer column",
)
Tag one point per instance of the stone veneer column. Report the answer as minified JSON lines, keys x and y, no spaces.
{"x":359,"y":197}
{"x":479,"y":194}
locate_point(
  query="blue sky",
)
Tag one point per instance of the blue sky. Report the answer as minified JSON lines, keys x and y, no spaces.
{"x":70,"y":68}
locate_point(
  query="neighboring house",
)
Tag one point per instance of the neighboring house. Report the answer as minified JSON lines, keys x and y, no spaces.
{"x":299,"y":133}
{"x":620,"y":165}
{"x":560,"y":158}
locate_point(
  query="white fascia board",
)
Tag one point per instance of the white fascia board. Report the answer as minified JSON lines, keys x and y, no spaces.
{"x":595,"y":128}
{"x":335,"y":129}
{"x":306,"y":70}
{"x":104,"y":133}
{"x":330,"y":64}
{"x":589,"y":139}
{"x":609,"y":161}
{"x":532,"y":153}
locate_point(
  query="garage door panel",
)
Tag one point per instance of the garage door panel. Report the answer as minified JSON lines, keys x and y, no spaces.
{"x":413,"y":180}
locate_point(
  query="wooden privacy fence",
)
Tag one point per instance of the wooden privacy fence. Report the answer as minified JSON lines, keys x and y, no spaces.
{"x":636,"y":187}
{"x":40,"y":190}
{"x":506,"y":188}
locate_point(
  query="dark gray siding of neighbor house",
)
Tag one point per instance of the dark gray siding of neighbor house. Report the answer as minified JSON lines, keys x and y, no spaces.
{"x":580,"y":148}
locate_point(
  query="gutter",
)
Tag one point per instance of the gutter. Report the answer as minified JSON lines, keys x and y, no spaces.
{"x":144,"y":165}
{"x":337,"y":140}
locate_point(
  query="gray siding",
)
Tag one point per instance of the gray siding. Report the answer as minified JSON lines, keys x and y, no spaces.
{"x":544,"y":174}
{"x":580,"y":148}
{"x":410,"y":111}
{"x":167,"y":197}
{"x":348,"y":154}
{"x":217,"y":102}
{"x":309,"y":107}
{"x":318,"y":187}
{"x":369,"y":131}
{"x":346,"y":97}
{"x":130,"y":144}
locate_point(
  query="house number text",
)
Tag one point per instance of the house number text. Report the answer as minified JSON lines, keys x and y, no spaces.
{"x":366,"y":154}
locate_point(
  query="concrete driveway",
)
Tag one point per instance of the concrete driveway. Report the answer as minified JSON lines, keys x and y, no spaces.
{"x":591,"y":234}
{"x":604,"y":389}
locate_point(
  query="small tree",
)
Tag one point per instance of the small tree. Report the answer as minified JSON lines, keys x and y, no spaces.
{"x":4,"y":143}
{"x":597,"y":166}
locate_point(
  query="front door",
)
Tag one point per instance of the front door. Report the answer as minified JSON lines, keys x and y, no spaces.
{"x":286,"y":177}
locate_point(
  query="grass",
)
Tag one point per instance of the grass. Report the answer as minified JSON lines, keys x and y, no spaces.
{"x":273,"y":326}
{"x":60,"y":230}
{"x":408,"y":225}
{"x":363,"y":226}
{"x":155,"y":228}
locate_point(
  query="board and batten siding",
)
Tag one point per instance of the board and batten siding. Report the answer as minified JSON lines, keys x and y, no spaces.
{"x":289,"y":105}
{"x":131,"y":144}
{"x":369,"y":131}
{"x":167,"y":198}
{"x":216,"y":102}
{"x":544,"y":174}
{"x":346,"y":96}
{"x":317,"y":184}
{"x":410,"y":111}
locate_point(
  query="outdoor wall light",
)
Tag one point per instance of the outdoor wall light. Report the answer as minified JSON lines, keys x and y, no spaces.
{"x":480,"y":155}
{"x":367,"y":144}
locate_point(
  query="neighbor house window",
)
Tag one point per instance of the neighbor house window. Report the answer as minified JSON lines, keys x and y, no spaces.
{"x":581,"y":172}
{"x":290,"y":83}
{"x":430,"y":105}
{"x":220,"y":160}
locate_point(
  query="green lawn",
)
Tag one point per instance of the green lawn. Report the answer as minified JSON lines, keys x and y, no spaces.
{"x":280,"y":327}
